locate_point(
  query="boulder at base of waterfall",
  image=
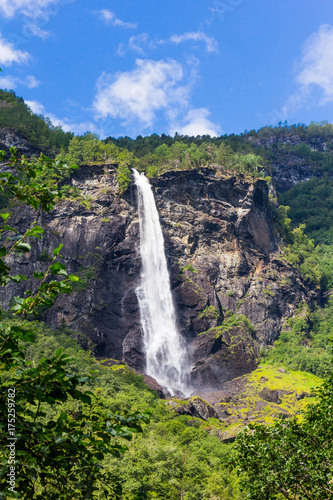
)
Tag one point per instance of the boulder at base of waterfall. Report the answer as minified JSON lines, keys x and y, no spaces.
{"x":153,"y":384}
{"x":270,"y":395}
{"x":221,"y":354}
{"x":195,"y":407}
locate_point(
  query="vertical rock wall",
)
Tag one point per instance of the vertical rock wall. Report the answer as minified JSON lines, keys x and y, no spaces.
{"x":232,"y":290}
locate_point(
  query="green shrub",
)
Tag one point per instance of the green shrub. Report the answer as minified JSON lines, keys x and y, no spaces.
{"x":124,"y":177}
{"x":44,"y":256}
{"x":306,"y":344}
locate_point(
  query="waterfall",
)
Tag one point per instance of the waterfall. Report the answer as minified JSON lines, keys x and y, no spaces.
{"x":166,"y":358}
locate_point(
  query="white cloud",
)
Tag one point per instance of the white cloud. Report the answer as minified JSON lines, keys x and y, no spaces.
{"x":39,"y":109}
{"x":11,"y":82}
{"x":140,"y":93}
{"x":317,"y":62}
{"x":9,"y":55}
{"x":137,"y":43}
{"x":315,"y":73}
{"x":7,"y":82}
{"x":121,"y":50}
{"x":36,"y":107}
{"x":195,"y":123}
{"x":110,"y":18}
{"x":135,"y":97}
{"x":82,"y":127}
{"x":30,"y":82}
{"x":195,"y":36}
{"x":37,"y":31}
{"x":140,"y":43}
{"x":30,"y":8}
{"x":66,"y":125}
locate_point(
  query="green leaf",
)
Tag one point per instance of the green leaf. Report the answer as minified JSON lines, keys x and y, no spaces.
{"x":38,"y":275}
{"x":60,"y":439}
{"x":58,"y":269}
{"x":117,"y":367}
{"x":73,"y":277}
{"x":4,"y":216}
{"x":9,"y":228}
{"x":36,"y":231}
{"x":83,"y":397}
{"x":14,"y":238}
{"x":56,"y":251}
{"x":29,"y":336}
{"x":18,"y":278}
{"x":3,"y":251}
{"x":23,"y":247}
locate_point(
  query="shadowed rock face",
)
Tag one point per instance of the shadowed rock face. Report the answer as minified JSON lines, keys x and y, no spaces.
{"x":290,"y":168}
{"x":10,"y":138}
{"x":222,"y":254}
{"x":221,"y":355}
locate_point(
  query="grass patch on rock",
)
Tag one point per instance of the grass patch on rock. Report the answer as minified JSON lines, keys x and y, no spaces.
{"x":261,"y":397}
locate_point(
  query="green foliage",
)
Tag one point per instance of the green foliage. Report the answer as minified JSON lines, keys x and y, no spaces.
{"x":314,"y":262}
{"x":247,"y":323}
{"x":172,"y":457}
{"x":38,"y":130}
{"x":210,"y":312}
{"x":157,"y":154}
{"x":311,"y":204}
{"x":124,"y":177}
{"x":232,"y":320}
{"x":87,"y":275}
{"x":280,"y":216}
{"x":188,"y":267}
{"x":36,"y":184}
{"x":88,"y":149}
{"x":54,"y":450}
{"x":301,"y":251}
{"x":175,"y":460}
{"x":306,"y":344}
{"x":44,"y":256}
{"x":292,"y":459}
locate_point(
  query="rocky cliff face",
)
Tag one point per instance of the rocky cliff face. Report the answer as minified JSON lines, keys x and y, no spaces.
{"x":224,"y":263}
{"x":10,"y":138}
{"x":290,"y":167}
{"x":232,"y":290}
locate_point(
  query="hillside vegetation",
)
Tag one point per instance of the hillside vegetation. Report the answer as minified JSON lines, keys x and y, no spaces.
{"x":172,"y":457}
{"x":38,"y":130}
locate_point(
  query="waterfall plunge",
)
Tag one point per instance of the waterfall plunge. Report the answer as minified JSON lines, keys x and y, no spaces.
{"x":166,"y":357}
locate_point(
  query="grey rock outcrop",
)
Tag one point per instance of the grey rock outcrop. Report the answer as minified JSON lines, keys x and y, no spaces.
{"x":10,"y":138}
{"x":195,"y":407}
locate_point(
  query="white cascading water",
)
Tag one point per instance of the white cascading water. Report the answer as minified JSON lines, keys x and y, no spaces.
{"x":166,"y":357}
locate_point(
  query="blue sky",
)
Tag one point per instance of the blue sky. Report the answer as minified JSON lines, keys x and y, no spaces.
{"x":193,"y":67}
